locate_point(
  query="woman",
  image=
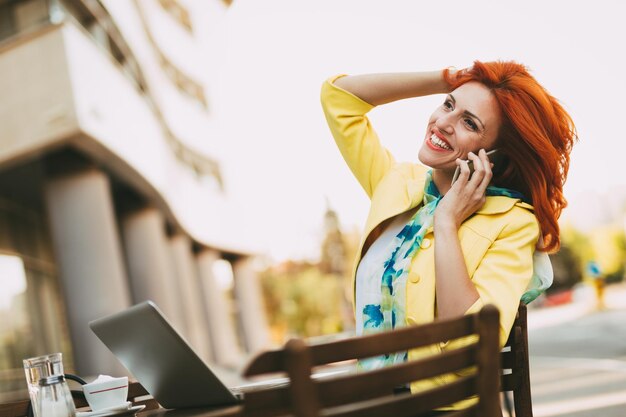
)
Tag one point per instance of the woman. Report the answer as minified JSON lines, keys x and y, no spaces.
{"x":437,"y":249}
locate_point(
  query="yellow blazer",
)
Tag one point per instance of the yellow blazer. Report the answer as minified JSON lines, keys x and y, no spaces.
{"x":498,"y":241}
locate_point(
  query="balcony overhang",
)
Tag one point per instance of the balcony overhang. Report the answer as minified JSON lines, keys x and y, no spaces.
{"x":66,"y":91}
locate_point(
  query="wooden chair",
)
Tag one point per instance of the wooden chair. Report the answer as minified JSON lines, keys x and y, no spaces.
{"x":515,"y":367}
{"x":370,"y":393}
{"x":136,"y":395}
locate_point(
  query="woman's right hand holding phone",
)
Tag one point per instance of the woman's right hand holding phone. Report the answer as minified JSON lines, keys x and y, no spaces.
{"x":467,"y":193}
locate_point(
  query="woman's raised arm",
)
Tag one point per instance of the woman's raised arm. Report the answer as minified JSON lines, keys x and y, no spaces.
{"x":378,"y":89}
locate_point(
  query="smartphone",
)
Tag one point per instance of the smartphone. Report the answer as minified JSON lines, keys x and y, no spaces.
{"x":457,"y":172}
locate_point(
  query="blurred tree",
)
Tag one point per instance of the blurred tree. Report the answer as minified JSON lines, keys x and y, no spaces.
{"x":302,"y":301}
{"x":605,"y":245}
{"x":578,"y":242}
{"x":313,"y":299}
{"x":567,"y":269}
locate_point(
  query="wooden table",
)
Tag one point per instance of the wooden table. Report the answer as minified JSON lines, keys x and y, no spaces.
{"x":227,"y":411}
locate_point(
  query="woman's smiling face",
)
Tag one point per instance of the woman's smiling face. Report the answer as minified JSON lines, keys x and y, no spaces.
{"x":467,"y":121}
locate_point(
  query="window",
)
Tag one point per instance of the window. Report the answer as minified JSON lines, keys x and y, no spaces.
{"x":32,"y":318}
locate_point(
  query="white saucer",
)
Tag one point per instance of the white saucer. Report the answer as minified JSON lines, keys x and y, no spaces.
{"x":119,"y":412}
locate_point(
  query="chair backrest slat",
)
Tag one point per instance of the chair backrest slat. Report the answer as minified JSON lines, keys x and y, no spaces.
{"x":373,"y":345}
{"x":354,"y":387}
{"x":368,"y":346}
{"x":371,"y":393}
{"x":409,"y":405}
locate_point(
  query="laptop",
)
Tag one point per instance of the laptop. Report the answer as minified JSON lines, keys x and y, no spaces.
{"x":163,"y":362}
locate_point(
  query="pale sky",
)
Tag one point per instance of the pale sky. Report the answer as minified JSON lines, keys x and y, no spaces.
{"x":280,"y":162}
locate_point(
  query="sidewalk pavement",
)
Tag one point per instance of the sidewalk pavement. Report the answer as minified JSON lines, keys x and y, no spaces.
{"x":578,"y":367}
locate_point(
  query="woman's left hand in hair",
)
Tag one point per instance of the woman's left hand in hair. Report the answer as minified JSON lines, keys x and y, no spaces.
{"x":467,"y":194}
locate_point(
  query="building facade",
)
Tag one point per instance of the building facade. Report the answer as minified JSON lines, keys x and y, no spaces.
{"x":104,"y":202}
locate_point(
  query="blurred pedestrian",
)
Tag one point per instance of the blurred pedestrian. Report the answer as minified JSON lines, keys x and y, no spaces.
{"x":599,"y":282}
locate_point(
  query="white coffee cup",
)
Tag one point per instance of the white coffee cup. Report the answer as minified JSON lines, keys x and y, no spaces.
{"x":106,"y":392}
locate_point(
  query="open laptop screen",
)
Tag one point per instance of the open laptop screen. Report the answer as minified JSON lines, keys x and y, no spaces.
{"x":161,"y":360}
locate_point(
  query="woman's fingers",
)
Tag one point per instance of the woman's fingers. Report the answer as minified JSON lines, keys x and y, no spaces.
{"x":482,"y":168}
{"x":464,"y":175}
{"x":487,"y":165}
{"x":479,"y":177}
{"x":479,"y":169}
{"x":476,"y":193}
{"x":475,"y":186}
{"x":468,"y":192}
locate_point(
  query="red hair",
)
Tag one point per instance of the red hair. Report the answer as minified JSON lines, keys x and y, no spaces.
{"x":534,"y":141}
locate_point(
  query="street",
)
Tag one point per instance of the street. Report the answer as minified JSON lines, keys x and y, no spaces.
{"x":578,"y":358}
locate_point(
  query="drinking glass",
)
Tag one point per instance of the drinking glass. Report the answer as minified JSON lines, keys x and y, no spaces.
{"x":55,"y":399}
{"x":39,"y":368}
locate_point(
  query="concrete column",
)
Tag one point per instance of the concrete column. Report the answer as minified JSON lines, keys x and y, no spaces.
{"x":150,"y":264}
{"x":221,"y":325}
{"x":192,"y":302}
{"x":91,"y":265}
{"x":250,"y":302}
